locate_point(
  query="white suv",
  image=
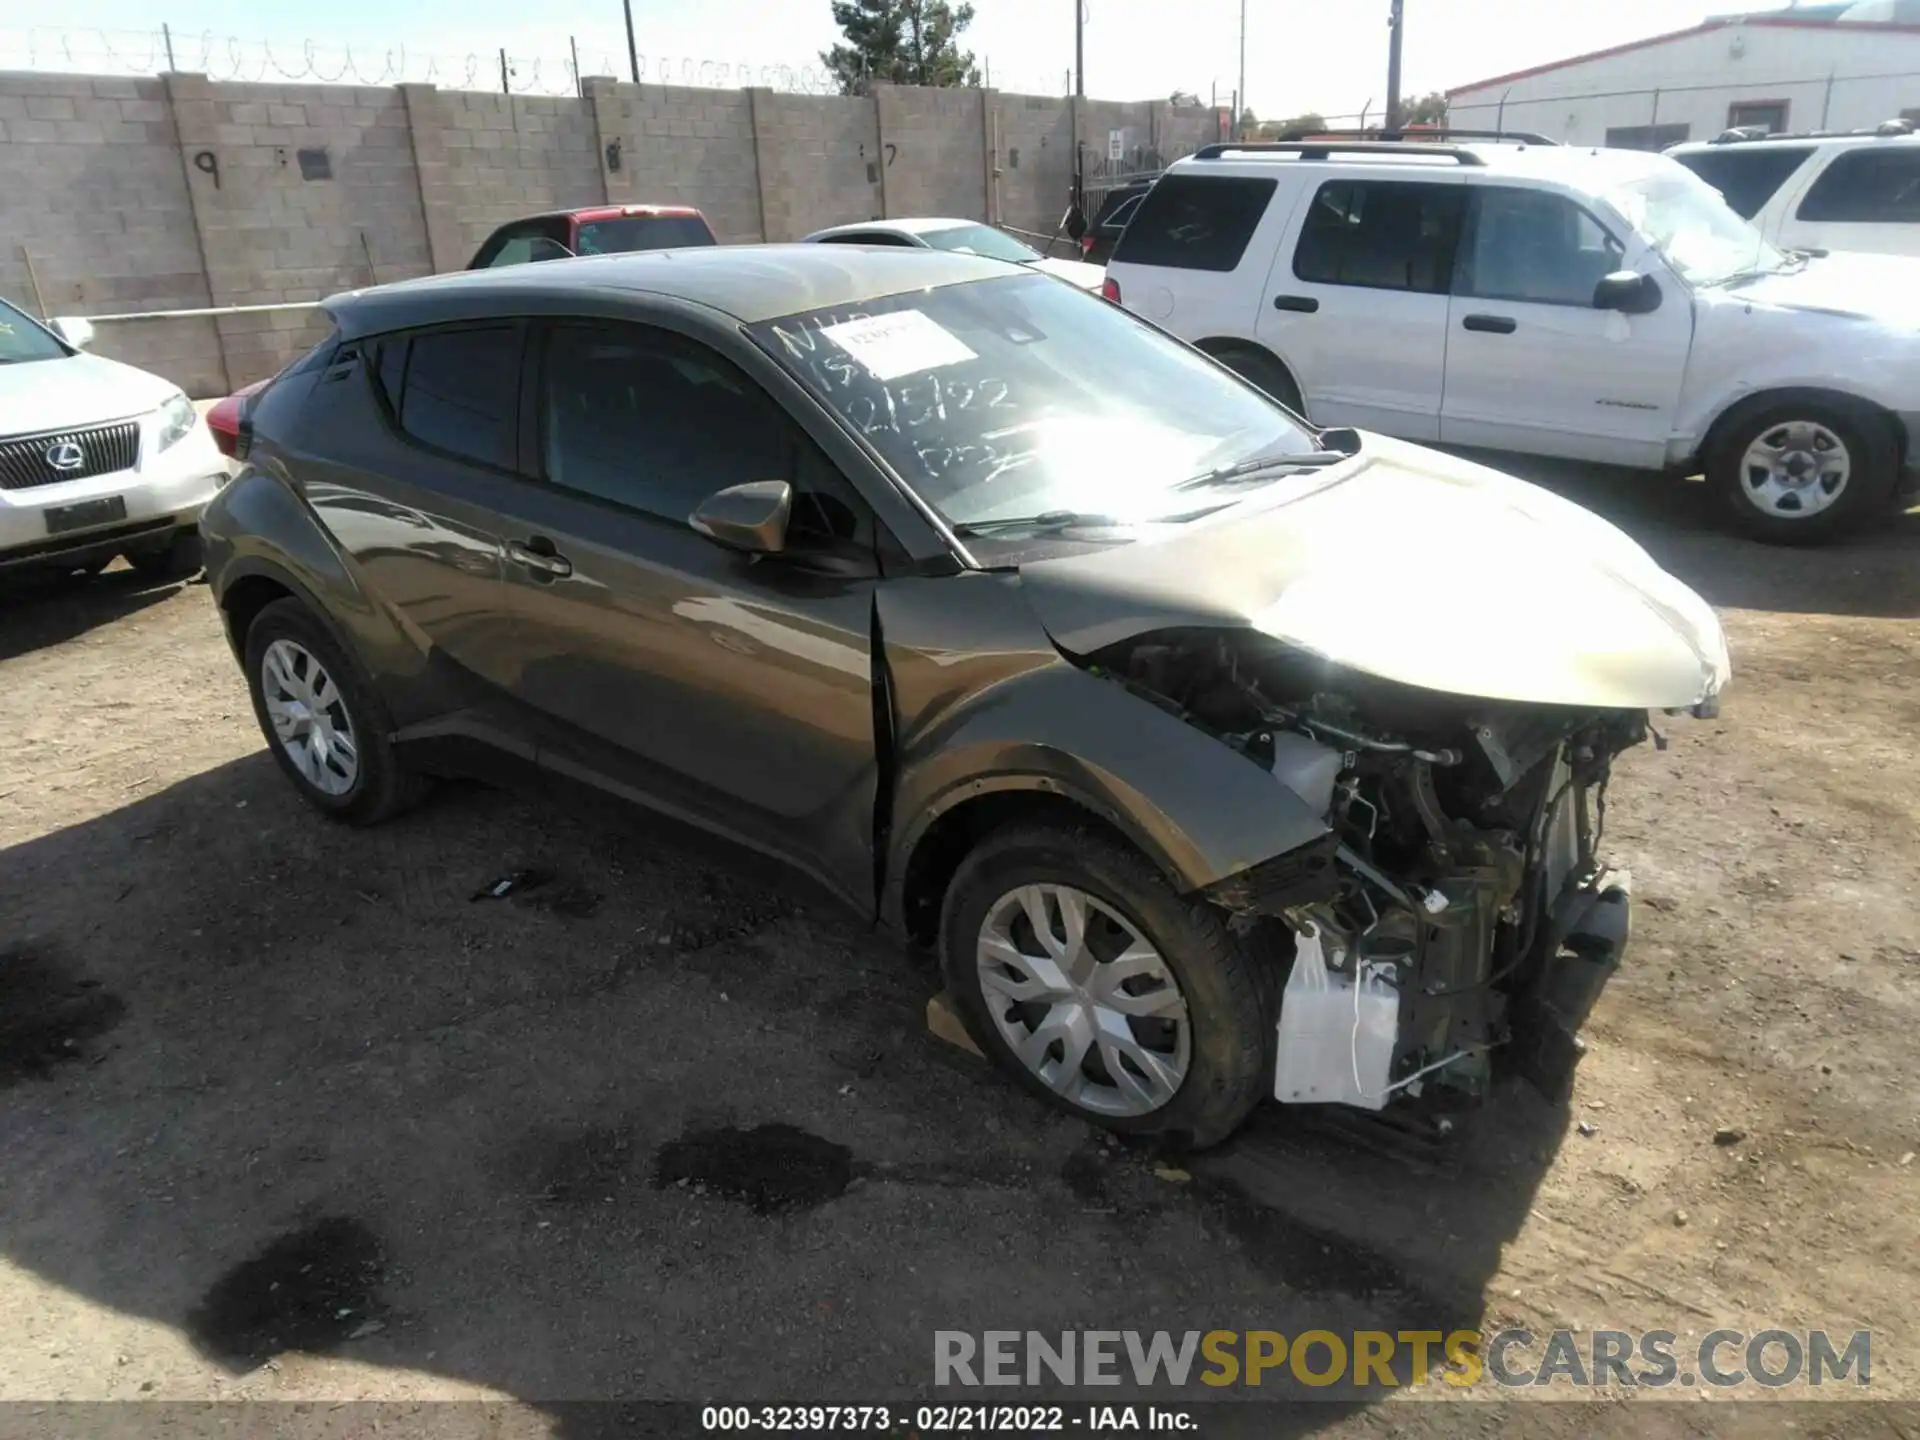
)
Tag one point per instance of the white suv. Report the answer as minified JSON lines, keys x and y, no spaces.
{"x":1598,"y":305}
{"x":97,"y":459}
{"x":1819,"y":192}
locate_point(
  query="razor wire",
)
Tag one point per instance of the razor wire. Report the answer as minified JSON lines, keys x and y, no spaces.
{"x":231,"y":58}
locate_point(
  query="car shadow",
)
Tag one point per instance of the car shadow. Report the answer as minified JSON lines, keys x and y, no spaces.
{"x":46,"y":610}
{"x":640,"y":1128}
{"x":1875,"y":573}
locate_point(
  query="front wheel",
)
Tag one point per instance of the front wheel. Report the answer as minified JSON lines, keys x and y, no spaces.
{"x":1804,"y":472}
{"x":322,"y":718}
{"x":1079,"y":970}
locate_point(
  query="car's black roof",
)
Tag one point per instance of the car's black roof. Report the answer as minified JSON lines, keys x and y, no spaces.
{"x":748,"y":282}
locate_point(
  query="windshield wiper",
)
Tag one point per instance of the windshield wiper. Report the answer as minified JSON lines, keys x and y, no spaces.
{"x":1045,"y":520}
{"x":1795,"y":261}
{"x":1260,"y":465}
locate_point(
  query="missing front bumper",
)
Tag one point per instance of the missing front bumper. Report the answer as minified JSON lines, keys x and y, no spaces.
{"x":1545,"y":1021}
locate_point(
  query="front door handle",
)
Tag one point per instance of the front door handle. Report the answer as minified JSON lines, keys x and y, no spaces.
{"x":1305,"y":304}
{"x":539,"y":556}
{"x":1491,"y":324}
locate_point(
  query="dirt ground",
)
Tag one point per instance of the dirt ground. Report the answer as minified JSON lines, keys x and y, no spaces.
{"x":286,"y":1113}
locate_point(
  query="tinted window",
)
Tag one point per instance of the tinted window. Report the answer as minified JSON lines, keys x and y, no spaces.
{"x":22,"y":340}
{"x":459,"y":391}
{"x":642,"y":232}
{"x":655,"y":423}
{"x":1747,"y":178}
{"x":1386,"y":234}
{"x":866,"y":238}
{"x":1190,"y":222}
{"x":1532,"y":246}
{"x":1868,"y":186}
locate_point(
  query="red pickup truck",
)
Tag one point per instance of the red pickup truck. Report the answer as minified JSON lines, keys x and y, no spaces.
{"x":594,"y":230}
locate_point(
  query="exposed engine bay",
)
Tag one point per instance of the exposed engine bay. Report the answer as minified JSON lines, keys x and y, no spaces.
{"x":1455,"y":916}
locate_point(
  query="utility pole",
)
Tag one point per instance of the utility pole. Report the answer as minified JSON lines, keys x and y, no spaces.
{"x":1080,"y":48}
{"x":1240,"y":103}
{"x":1394,"y":17}
{"x":633,"y":49}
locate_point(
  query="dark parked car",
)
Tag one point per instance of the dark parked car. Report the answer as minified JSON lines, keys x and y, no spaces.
{"x":595,"y":230}
{"x":1110,"y":223}
{"x":1023,"y":628}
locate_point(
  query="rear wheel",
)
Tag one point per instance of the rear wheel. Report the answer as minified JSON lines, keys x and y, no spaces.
{"x":1080,"y":971}
{"x":322,"y":718}
{"x":1804,"y":472}
{"x":1260,"y":369}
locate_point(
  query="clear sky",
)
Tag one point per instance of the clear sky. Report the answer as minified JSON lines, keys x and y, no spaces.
{"x":1324,"y":55}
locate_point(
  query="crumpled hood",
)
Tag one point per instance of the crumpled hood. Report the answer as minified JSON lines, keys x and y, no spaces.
{"x":41,"y":395}
{"x":1866,"y":287}
{"x":1416,"y":567}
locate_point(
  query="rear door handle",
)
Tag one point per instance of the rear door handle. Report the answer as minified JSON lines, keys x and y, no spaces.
{"x":1305,"y":304}
{"x":539,"y":556}
{"x":1492,"y":324}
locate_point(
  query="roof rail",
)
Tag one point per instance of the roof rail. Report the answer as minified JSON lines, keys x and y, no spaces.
{"x":1316,"y":150}
{"x":1744,"y":134}
{"x":1419,"y":134}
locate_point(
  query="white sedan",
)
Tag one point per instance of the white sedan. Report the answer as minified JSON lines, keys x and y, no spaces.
{"x":968,"y":237}
{"x":97,"y":459}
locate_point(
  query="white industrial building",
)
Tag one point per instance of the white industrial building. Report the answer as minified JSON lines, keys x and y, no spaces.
{"x":1811,"y":67}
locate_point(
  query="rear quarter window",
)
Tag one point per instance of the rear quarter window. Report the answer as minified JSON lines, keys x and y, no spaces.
{"x":1747,"y":178}
{"x":1871,"y":185}
{"x":1194,"y":222}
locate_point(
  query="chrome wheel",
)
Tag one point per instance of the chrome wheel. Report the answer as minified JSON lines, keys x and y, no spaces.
{"x":310,"y":719}
{"x":1083,"y":1000}
{"x":1795,"y":469}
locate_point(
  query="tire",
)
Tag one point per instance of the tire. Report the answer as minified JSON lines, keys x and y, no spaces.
{"x":1803,"y":513}
{"x":178,"y":559}
{"x":1223,"y":1062}
{"x":376,"y":785}
{"x":1264,"y":372}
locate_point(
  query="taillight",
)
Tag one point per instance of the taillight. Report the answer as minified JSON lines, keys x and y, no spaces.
{"x":1086,"y":243}
{"x":223,"y":421}
{"x":1110,"y":290}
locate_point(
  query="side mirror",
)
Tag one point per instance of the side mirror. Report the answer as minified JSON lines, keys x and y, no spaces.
{"x":751,"y":517}
{"x":1627,"y":291}
{"x":76,"y":330}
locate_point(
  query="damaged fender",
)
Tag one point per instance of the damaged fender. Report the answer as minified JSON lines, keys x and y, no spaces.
{"x":1013,"y":714}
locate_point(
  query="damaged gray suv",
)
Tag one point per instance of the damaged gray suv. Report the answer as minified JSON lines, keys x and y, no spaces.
{"x":1217,"y":757}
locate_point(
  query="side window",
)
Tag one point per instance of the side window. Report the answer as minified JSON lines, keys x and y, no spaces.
{"x":457,"y":390}
{"x":1747,"y":179}
{"x":1382,"y":234}
{"x":1535,"y":246}
{"x":1870,"y":185}
{"x":517,"y":250}
{"x":657,"y":423}
{"x":1190,"y":222}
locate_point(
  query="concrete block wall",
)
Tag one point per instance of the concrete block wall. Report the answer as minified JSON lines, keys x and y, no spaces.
{"x":135,"y":195}
{"x":934,"y":151}
{"x":819,"y":159}
{"x":1036,"y":160}
{"x":681,"y":145}
{"x":95,"y":206}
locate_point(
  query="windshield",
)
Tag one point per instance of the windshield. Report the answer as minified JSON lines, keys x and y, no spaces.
{"x":642,"y":232}
{"x":22,"y":340}
{"x":981,"y":240}
{"x":1015,"y":397}
{"x":1693,"y":227}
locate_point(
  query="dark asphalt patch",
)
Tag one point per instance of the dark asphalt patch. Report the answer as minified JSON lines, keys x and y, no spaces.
{"x":310,"y":1290}
{"x":769,"y":1168}
{"x":588,"y":1168}
{"x":46,"y":1015}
